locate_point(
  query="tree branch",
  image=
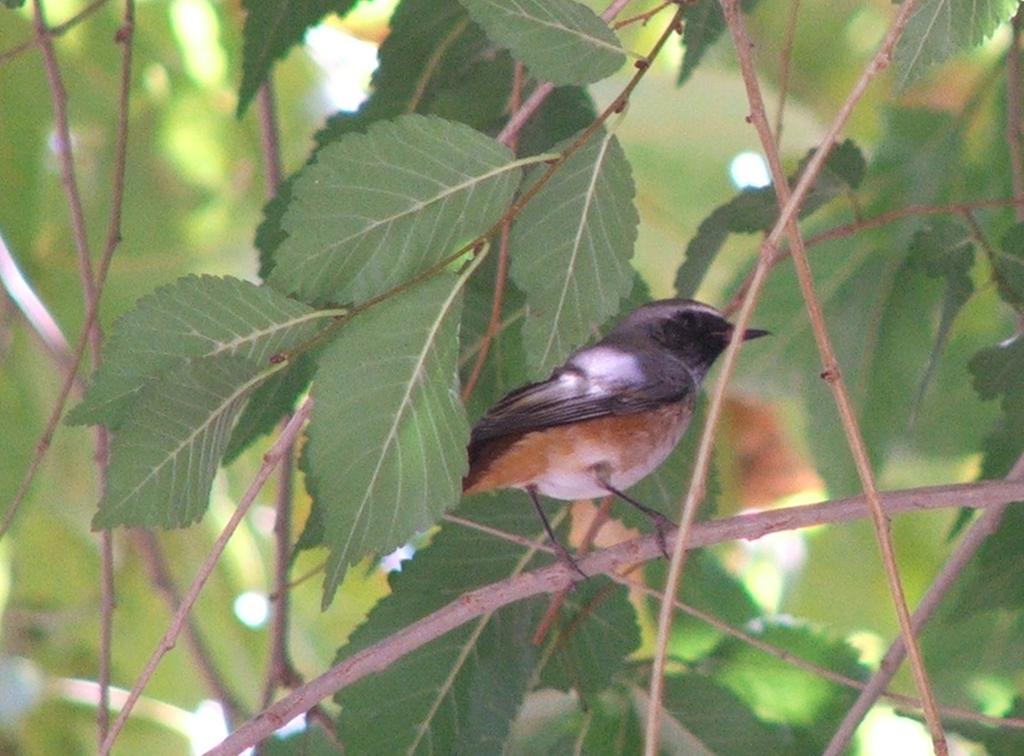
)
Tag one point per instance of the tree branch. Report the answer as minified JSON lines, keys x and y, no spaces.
{"x":557,"y":577}
{"x":785,"y":58}
{"x":160,"y":577}
{"x":789,"y":206}
{"x":270,"y":461}
{"x":982,"y":528}
{"x":864,"y":224}
{"x":54,"y":31}
{"x":830,"y":363}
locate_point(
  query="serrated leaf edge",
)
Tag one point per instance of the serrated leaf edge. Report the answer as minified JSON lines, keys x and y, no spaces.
{"x":587,"y":207}
{"x":213,"y":415}
{"x":457,"y":666}
{"x":416,"y":378}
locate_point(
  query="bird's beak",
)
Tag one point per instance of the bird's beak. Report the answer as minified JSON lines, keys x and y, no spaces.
{"x":755,"y":333}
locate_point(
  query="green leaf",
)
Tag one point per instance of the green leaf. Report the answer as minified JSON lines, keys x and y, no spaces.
{"x":388,"y":434}
{"x":272,"y":28}
{"x":430,"y":62}
{"x":998,"y":373}
{"x":720,"y":721}
{"x":613,"y":727}
{"x":309,"y":741}
{"x":708,"y":587}
{"x":754,"y":210}
{"x":944,"y":250}
{"x":939,"y":29}
{"x":566,"y":111}
{"x":1008,"y":262}
{"x":570,"y":250}
{"x":876,"y":302}
{"x":459,"y":693}
{"x":997,"y":741}
{"x":703,"y":25}
{"x":432,"y":52}
{"x":192,"y":318}
{"x":560,"y":41}
{"x":777,"y":692}
{"x":376,"y":209}
{"x":271,"y":401}
{"x":589,"y":644}
{"x":164,"y":456}
{"x":505,"y":368}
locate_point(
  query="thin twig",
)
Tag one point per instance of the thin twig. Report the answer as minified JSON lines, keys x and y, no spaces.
{"x":65,"y":157}
{"x":90,"y":296}
{"x":543,"y":90}
{"x":910,"y":211}
{"x":694,"y":496}
{"x":824,"y":673}
{"x":125,"y":36}
{"x":270,"y":461}
{"x":787,"y":213}
{"x":510,"y":140}
{"x":979,"y":531}
{"x":847,"y":230}
{"x":270,"y":140}
{"x":1014,"y":113}
{"x":785,"y":58}
{"x":494,"y":324}
{"x":92,"y":312}
{"x":148,"y":547}
{"x":108,"y":602}
{"x":280,"y":671}
{"x":40,"y":320}
{"x":832,"y":373}
{"x":54,"y":31}
{"x":643,"y":18}
{"x":556,"y":577}
{"x":558,"y":599}
{"x":526,"y":543}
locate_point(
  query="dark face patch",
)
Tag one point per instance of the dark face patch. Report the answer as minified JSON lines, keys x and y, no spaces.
{"x":695,"y":335}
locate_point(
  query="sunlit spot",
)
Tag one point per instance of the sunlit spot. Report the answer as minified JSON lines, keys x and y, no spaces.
{"x":347,"y":63}
{"x":208,"y":727}
{"x":197,"y":30}
{"x":767,"y":564}
{"x":263,"y":519}
{"x":748,"y":169}
{"x":870,"y":646}
{"x":156,"y":82}
{"x":252,"y":609}
{"x":884,"y":732}
{"x":21,"y":686}
{"x":393,"y":561}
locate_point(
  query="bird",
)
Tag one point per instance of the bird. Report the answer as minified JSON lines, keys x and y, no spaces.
{"x":606,"y":418}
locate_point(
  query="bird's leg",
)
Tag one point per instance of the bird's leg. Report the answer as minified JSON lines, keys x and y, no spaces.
{"x":660,"y":522}
{"x":560,"y":551}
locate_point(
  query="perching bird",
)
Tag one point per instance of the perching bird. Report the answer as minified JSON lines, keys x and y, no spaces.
{"x":606,"y":418}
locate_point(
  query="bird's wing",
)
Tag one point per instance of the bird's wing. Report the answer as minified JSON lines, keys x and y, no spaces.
{"x":571,"y":396}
